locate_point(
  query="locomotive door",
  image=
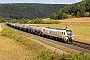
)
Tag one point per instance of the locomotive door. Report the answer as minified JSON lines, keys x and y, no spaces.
{"x":63,"y":35}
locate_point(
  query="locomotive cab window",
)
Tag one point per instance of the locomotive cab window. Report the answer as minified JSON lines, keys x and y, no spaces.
{"x":69,"y":32}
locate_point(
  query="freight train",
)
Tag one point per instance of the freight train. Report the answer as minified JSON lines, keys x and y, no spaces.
{"x":57,"y":33}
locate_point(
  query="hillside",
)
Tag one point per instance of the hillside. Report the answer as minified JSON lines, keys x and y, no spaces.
{"x":28,"y":10}
{"x":80,"y":9}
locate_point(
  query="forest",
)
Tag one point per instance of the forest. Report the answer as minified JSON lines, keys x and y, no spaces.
{"x":80,"y":9}
{"x":28,"y":10}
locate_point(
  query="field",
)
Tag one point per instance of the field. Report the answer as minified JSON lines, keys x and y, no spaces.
{"x":76,"y":20}
{"x":80,"y":28}
{"x":10,"y":50}
{"x":17,"y":46}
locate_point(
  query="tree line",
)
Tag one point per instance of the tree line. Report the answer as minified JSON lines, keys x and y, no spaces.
{"x":80,"y":9}
{"x":28,"y":10}
{"x":28,"y":21}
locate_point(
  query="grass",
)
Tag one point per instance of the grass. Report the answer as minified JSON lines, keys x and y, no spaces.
{"x":81,"y":31}
{"x":9,"y":50}
{"x":57,"y":46}
{"x":47,"y":55}
{"x":23,"y":41}
{"x":76,"y":20}
{"x":39,"y":52}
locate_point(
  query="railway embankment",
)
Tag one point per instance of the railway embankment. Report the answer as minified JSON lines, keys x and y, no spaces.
{"x":9,"y":50}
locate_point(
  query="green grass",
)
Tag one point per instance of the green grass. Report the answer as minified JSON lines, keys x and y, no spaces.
{"x":39,"y":52}
{"x":47,"y":55}
{"x":81,"y":31}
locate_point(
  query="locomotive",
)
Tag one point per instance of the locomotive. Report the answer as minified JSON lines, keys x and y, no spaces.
{"x":66,"y":35}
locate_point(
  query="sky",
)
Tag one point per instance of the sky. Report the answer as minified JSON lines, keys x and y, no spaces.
{"x":41,"y":1}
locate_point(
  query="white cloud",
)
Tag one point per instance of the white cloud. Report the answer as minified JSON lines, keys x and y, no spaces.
{"x":52,"y":2}
{"x":45,"y":2}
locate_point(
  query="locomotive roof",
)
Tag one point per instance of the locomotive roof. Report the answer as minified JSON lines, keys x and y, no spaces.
{"x":56,"y":28}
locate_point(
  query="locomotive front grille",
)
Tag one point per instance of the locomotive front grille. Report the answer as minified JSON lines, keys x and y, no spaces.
{"x":70,"y":38}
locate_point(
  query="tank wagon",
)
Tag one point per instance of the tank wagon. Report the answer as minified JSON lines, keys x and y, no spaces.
{"x":25,"y":28}
{"x":20,"y":26}
{"x":38,"y":30}
{"x":30,"y":29}
{"x":57,"y":33}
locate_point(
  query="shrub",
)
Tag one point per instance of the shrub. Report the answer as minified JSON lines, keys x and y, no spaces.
{"x":48,"y":55}
{"x":52,"y":22}
{"x":37,"y":21}
{"x":40,"y":21}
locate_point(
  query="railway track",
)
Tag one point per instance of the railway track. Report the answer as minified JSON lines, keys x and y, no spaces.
{"x":81,"y":45}
{"x":76,"y":45}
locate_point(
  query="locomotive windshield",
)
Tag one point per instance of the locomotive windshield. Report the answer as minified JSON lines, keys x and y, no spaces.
{"x":69,"y":32}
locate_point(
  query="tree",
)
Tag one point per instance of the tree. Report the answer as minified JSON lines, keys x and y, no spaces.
{"x":62,"y":15}
{"x":54,"y":16}
{"x":87,"y":5}
{"x":28,"y":10}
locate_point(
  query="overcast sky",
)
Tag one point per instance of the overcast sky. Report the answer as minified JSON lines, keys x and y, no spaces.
{"x":41,"y":1}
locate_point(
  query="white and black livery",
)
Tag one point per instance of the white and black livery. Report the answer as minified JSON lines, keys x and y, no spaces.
{"x":66,"y":35}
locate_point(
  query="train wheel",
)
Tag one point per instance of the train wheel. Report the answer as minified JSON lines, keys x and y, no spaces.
{"x":68,"y":42}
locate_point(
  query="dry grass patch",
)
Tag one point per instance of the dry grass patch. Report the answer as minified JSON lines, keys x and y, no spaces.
{"x":46,"y":19}
{"x":29,"y":48}
{"x":0,"y":27}
{"x":9,"y":50}
{"x":76,"y":20}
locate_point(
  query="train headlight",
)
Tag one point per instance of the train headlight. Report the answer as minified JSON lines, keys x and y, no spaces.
{"x":72,"y":38}
{"x":66,"y":38}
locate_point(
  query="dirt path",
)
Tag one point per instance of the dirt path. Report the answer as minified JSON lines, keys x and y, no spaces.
{"x":9,"y":50}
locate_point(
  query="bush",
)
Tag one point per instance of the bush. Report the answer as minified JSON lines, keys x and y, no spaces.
{"x":59,"y":15}
{"x":40,"y":21}
{"x":52,"y":22}
{"x":48,"y":55}
{"x":64,"y":16}
{"x":37,"y":21}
